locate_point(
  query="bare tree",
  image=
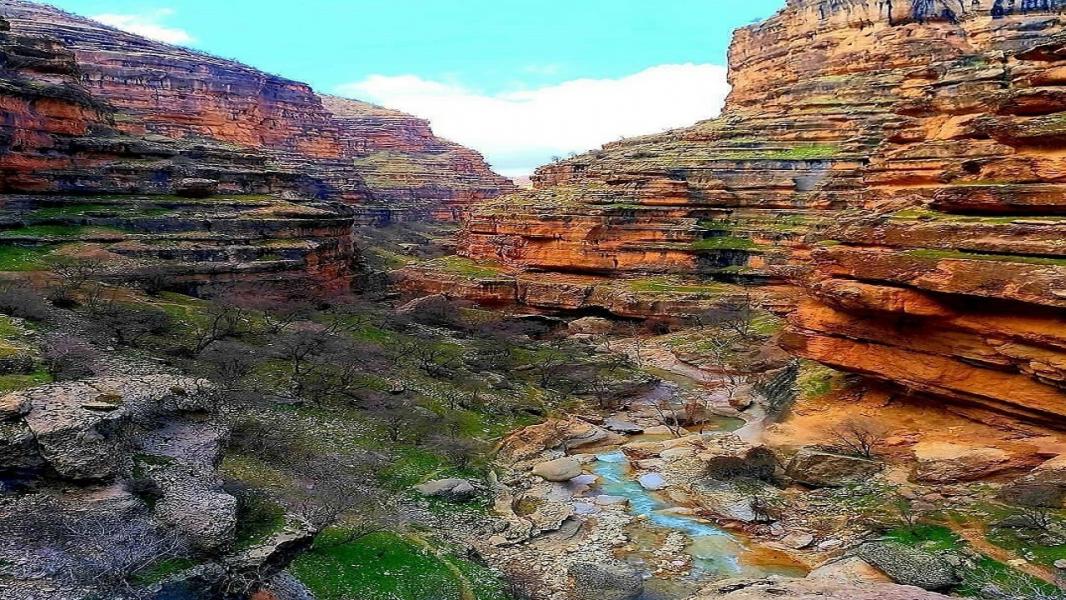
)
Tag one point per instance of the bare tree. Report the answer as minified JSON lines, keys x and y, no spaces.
{"x":859,"y":437}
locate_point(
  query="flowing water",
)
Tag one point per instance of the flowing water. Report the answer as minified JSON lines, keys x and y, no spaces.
{"x":716,"y":553}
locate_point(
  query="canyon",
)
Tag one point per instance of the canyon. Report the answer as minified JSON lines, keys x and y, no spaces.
{"x":888,"y":176}
{"x":290,"y":345}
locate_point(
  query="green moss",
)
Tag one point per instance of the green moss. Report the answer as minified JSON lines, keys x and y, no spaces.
{"x":22,"y":258}
{"x":931,"y":254}
{"x":1033,"y":550}
{"x":924,"y":214}
{"x":815,"y":380}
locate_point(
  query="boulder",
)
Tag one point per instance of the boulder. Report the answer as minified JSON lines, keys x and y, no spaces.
{"x":620,"y":425}
{"x":563,"y":434}
{"x":605,"y":581}
{"x":195,"y":187}
{"x":821,"y":468}
{"x":1044,"y":486}
{"x":13,"y":406}
{"x":736,"y":500}
{"x":849,"y":570}
{"x":952,"y":463}
{"x":797,"y":540}
{"x":652,"y":481}
{"x":727,"y":456}
{"x":811,"y":589}
{"x":590,"y":326}
{"x":560,"y":469}
{"x":909,"y":566}
{"x":449,"y":489}
{"x":18,"y":448}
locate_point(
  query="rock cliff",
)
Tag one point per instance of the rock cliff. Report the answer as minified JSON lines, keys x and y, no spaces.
{"x":900,"y":164}
{"x":165,"y":161}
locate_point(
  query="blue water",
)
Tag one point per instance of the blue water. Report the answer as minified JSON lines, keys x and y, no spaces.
{"x":715,"y":552}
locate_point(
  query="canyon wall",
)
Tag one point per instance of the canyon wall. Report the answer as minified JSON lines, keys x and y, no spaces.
{"x":899,"y":164}
{"x":386,"y":164}
{"x":165,"y":162}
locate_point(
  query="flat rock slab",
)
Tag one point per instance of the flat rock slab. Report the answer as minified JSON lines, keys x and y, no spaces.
{"x":560,"y":469}
{"x":621,"y":425}
{"x":652,"y":481}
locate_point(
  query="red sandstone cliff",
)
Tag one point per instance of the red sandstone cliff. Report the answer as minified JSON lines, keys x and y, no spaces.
{"x":902,"y":169}
{"x":388,"y":164}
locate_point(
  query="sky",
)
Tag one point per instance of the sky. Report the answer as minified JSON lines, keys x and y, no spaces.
{"x":519,"y":80}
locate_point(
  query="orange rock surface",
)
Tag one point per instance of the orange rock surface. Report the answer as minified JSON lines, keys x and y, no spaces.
{"x":900,"y":164}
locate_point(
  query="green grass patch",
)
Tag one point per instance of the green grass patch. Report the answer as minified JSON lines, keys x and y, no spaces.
{"x":931,"y":254}
{"x":668,"y":285}
{"x":22,"y":258}
{"x":458,"y":265}
{"x":934,"y":538}
{"x":381,"y":566}
{"x":14,"y":383}
{"x":805,"y":152}
{"x":56,"y":231}
{"x":725,"y":242}
{"x":924,"y":214}
{"x":161,"y":570}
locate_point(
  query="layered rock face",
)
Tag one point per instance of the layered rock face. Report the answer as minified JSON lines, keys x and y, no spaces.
{"x":343,"y":146}
{"x":899,"y":163}
{"x":167,"y":162}
{"x":410,"y":171}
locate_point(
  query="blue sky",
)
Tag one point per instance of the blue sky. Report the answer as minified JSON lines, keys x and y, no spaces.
{"x":519,"y":80}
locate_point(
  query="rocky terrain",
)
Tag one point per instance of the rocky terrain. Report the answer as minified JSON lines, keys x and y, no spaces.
{"x":897,"y":165}
{"x":814,"y":348}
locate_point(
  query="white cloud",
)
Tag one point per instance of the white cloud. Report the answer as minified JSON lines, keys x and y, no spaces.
{"x":149,"y":25}
{"x":520,"y":130}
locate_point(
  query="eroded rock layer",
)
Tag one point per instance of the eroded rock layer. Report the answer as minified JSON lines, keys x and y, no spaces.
{"x":165,"y":161}
{"x":900,"y":163}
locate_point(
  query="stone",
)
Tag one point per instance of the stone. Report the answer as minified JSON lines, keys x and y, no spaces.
{"x":1060,"y":564}
{"x":604,"y":500}
{"x":732,"y":499}
{"x":563,"y":434}
{"x":811,"y":589}
{"x":909,"y":566}
{"x":797,"y":540}
{"x":1044,"y":486}
{"x":450,"y":489}
{"x":953,"y":463}
{"x":590,"y":325}
{"x":604,"y":581}
{"x":13,"y":406}
{"x":652,"y":481}
{"x":18,"y":448}
{"x":620,"y":425}
{"x":560,"y":469}
{"x":821,"y":468}
{"x":848,"y":570}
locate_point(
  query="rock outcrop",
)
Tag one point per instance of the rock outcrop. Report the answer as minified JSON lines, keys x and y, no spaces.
{"x":898,"y":164}
{"x":172,"y":163}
